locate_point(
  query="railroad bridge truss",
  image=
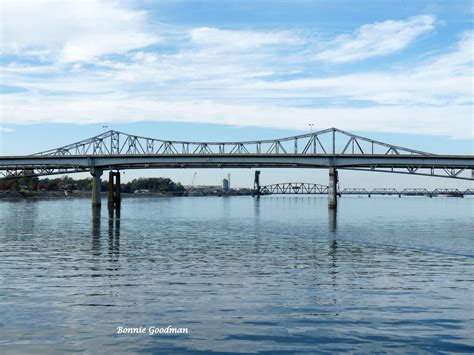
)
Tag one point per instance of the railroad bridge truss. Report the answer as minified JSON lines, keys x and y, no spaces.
{"x":301,"y":188}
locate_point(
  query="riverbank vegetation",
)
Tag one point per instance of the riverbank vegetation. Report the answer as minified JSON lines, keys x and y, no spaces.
{"x":66,"y":183}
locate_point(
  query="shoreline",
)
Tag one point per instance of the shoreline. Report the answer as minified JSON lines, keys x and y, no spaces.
{"x":34,"y":195}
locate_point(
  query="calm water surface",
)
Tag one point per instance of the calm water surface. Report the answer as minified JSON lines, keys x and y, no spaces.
{"x":281,"y":274}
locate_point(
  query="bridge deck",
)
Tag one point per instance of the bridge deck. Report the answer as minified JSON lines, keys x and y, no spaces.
{"x":239,"y":160}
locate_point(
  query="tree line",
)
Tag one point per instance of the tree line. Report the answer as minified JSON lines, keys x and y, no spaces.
{"x":67,"y":183}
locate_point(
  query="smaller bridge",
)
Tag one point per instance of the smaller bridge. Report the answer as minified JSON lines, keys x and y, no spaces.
{"x":301,"y":188}
{"x":293,"y":188}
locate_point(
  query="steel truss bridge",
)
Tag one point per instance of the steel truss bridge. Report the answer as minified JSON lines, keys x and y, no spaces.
{"x":330,"y":148}
{"x":301,"y":188}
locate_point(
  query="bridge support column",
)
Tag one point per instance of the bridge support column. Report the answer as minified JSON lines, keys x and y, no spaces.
{"x":332,"y":190}
{"x":110,"y":193}
{"x":96,"y":184}
{"x":117,"y":197}
{"x":113,"y":195}
{"x":256,"y":184}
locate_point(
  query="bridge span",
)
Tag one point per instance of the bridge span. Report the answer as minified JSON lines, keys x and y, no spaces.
{"x":302,"y":188}
{"x":331,"y":149}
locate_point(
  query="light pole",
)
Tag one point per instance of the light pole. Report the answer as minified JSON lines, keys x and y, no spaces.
{"x":311,"y":127}
{"x":105,"y":128}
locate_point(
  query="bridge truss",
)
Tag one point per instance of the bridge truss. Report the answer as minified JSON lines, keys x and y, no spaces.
{"x":292,"y":188}
{"x":301,"y":188}
{"x":322,"y":149}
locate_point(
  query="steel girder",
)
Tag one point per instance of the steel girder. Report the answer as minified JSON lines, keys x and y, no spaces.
{"x":426,"y":165}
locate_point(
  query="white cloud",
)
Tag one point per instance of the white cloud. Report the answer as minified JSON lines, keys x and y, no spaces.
{"x":235,"y":40}
{"x":195,"y":87}
{"x":376,"y":39}
{"x":21,"y":109}
{"x":444,"y":80}
{"x":70,"y":31}
{"x":457,"y":62}
{"x":225,"y":77}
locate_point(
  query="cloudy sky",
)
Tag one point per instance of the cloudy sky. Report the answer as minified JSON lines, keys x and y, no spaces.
{"x":393,"y":70}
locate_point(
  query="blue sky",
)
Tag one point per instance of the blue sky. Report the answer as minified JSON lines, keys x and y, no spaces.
{"x":400,"y":71}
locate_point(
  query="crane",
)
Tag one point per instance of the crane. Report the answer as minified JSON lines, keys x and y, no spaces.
{"x":189,"y":191}
{"x":193,"y":180}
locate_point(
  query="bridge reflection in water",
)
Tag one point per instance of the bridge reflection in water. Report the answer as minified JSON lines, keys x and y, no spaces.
{"x":114,"y":219}
{"x":113,"y":232}
{"x":332,"y":219}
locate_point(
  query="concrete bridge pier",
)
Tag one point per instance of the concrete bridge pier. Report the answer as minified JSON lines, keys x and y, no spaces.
{"x":113,"y":196}
{"x":96,"y":184}
{"x":117,"y":197}
{"x":256,"y":184}
{"x":332,"y":190}
{"x":110,"y":193}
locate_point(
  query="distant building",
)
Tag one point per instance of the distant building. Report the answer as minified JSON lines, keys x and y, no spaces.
{"x":225,"y":185}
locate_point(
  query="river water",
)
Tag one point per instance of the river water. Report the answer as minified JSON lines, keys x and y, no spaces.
{"x":279,"y":274}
